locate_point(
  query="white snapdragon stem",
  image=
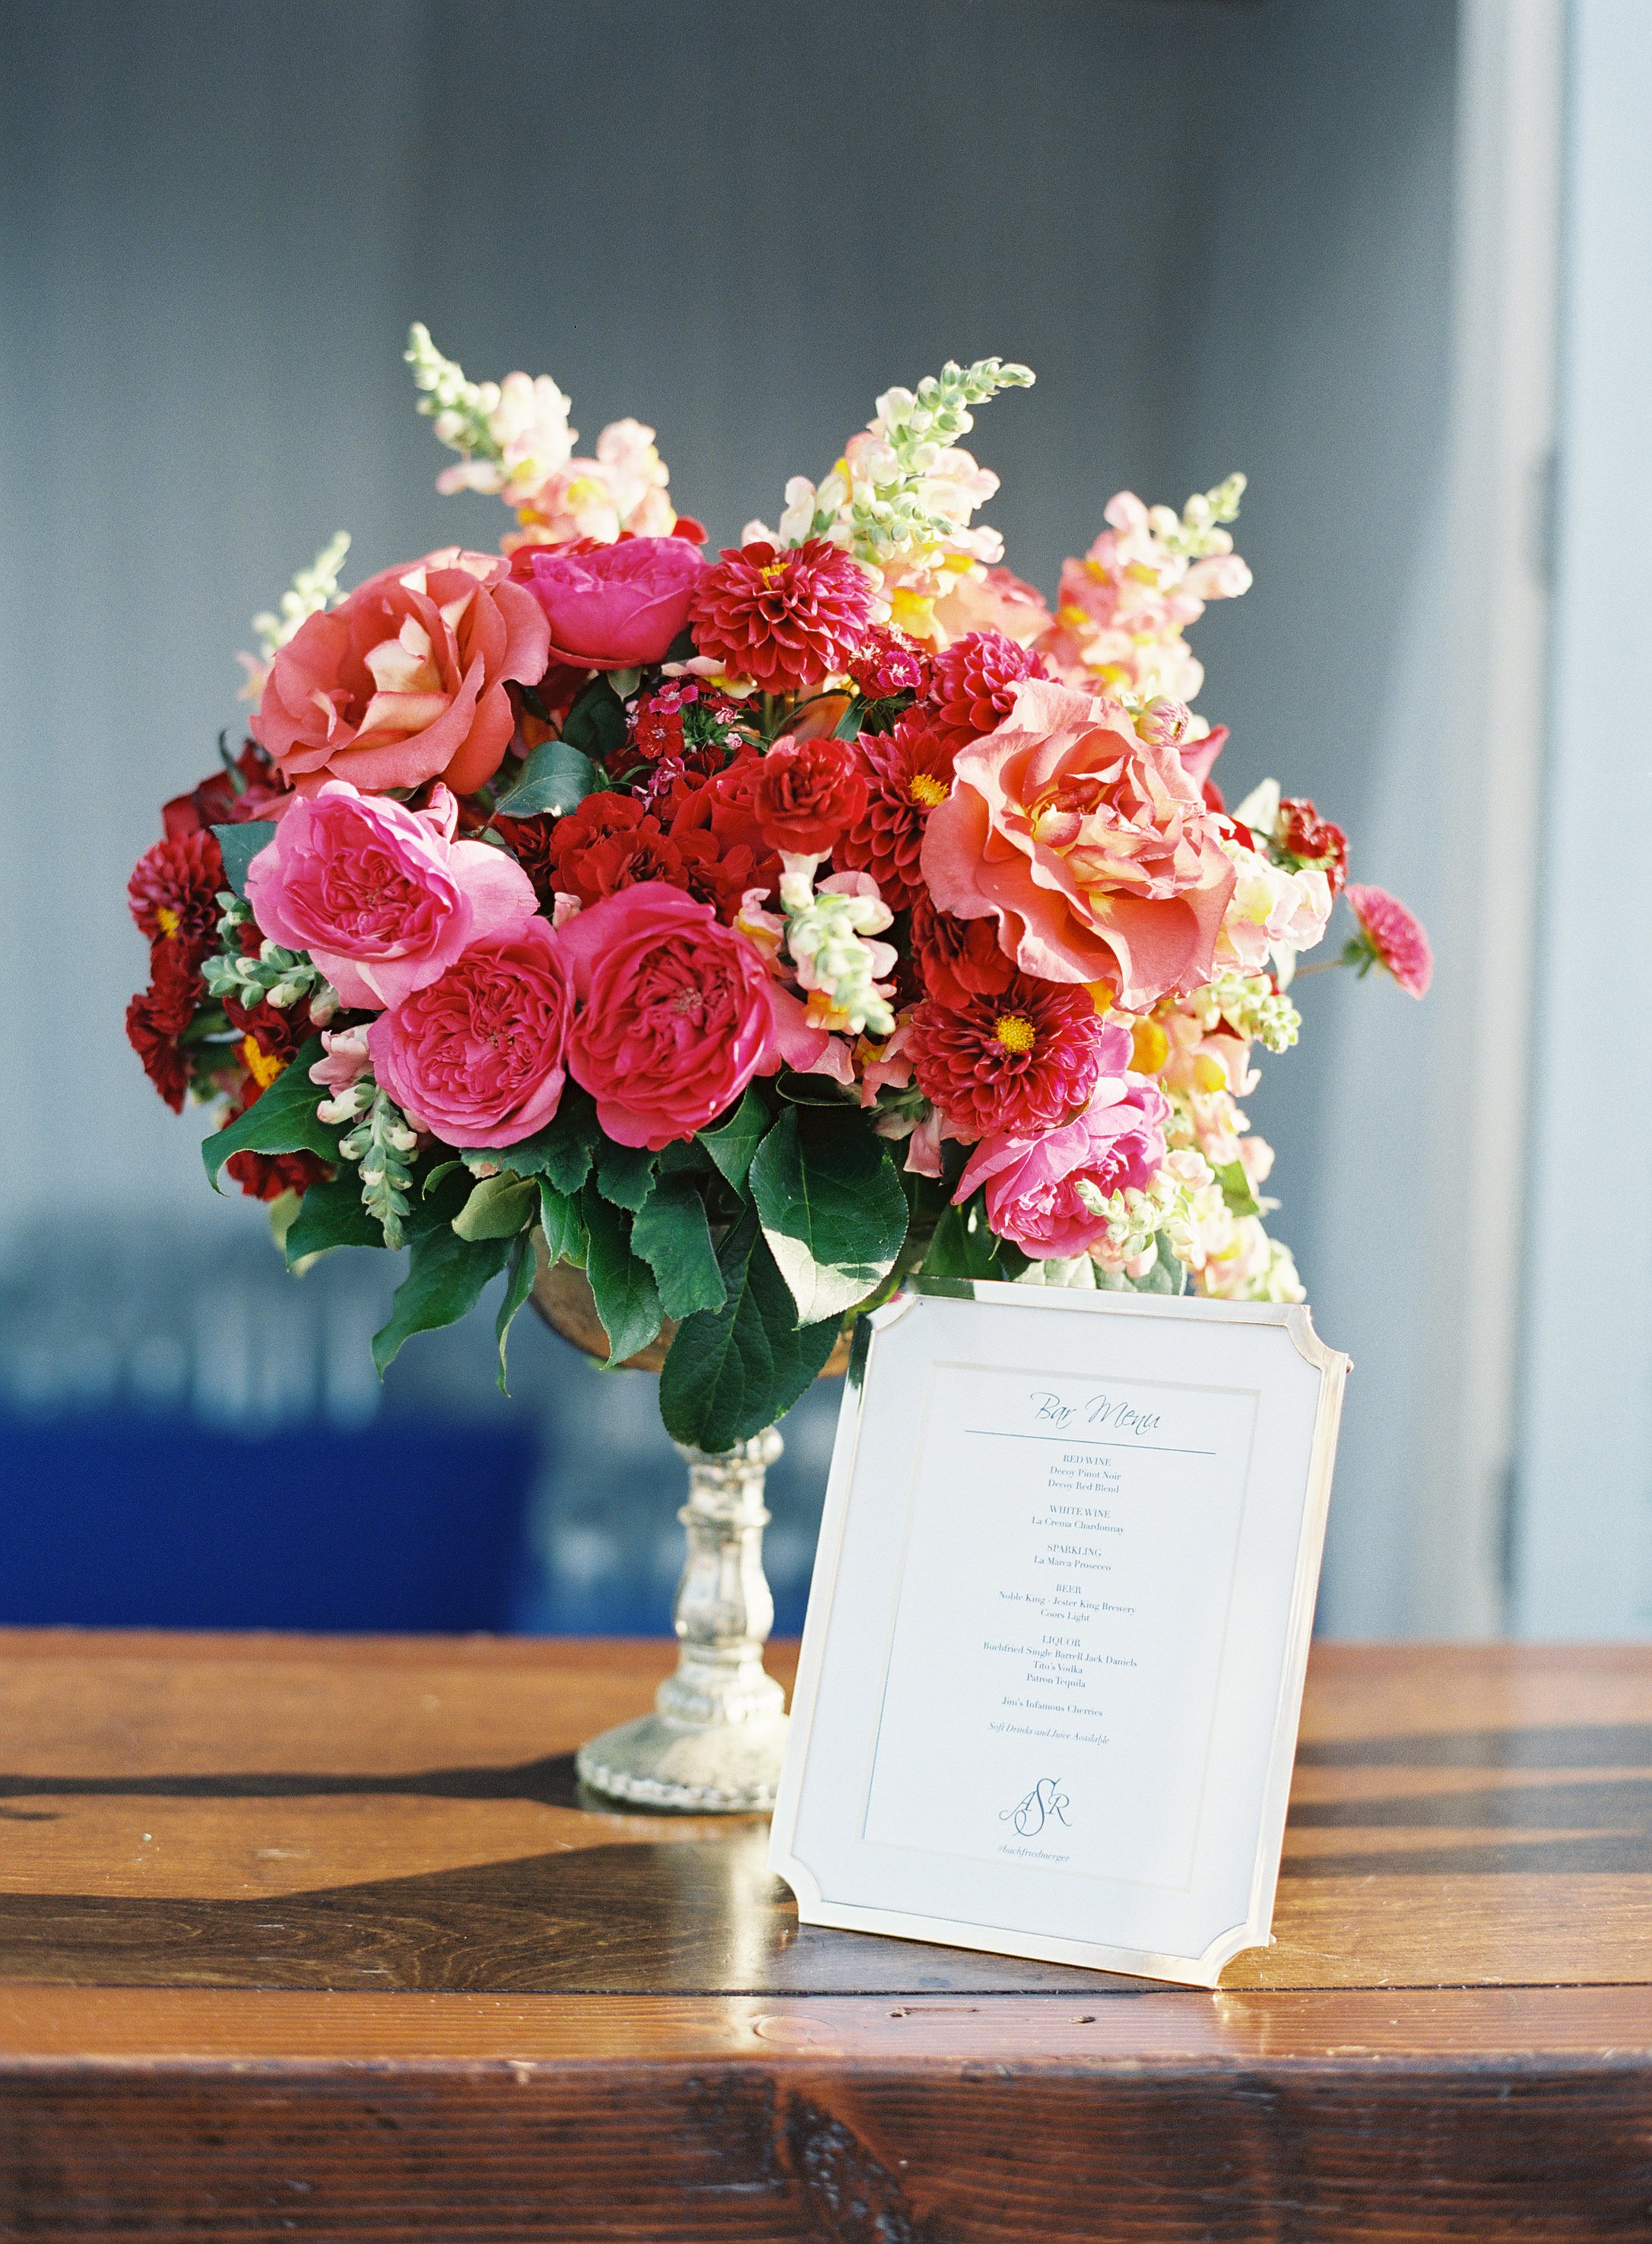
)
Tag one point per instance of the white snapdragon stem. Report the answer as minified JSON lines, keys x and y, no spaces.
{"x":824,"y":934}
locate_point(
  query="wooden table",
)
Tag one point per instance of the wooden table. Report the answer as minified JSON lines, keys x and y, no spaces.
{"x":303,"y":1937}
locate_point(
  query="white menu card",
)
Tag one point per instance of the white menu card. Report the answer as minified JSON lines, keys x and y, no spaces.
{"x":1047,"y":1698}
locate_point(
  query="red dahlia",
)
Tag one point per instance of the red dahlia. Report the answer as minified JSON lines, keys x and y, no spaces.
{"x":960,"y":959}
{"x":908,"y":772}
{"x":173,"y":893}
{"x":809,"y":794}
{"x":975,"y":680}
{"x":783,"y":618}
{"x":1024,"y":1059}
{"x":216,"y":800}
{"x":157,"y":1018}
{"x":1313,"y":840}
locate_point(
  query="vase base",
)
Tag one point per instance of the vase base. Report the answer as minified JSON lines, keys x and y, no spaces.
{"x":723,"y":1768}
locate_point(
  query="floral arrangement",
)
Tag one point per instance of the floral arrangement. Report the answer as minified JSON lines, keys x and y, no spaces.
{"x":747,"y":931}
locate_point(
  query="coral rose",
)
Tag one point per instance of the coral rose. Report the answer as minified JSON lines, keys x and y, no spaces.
{"x":675,"y":1016}
{"x":477,"y":1058}
{"x":405,"y":680}
{"x":615,"y":607}
{"x":1033,"y":1183}
{"x":1093,"y":849}
{"x":381,"y":898}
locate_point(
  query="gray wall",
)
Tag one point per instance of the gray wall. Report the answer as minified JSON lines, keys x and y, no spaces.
{"x":1219,"y":232}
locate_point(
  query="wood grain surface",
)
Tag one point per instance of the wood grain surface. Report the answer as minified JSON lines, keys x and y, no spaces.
{"x":320,"y":1938}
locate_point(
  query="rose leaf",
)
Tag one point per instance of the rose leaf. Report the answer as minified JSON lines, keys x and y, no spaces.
{"x":674,"y":1238}
{"x":238,"y":845}
{"x":624,"y":1174}
{"x":832,"y":1208}
{"x":518,"y":1284}
{"x":621,"y":1285}
{"x":499,"y":1207}
{"x":733,"y":1143}
{"x":280,"y":1120}
{"x":555,"y":778}
{"x":734,"y":1370}
{"x":446,"y":1275}
{"x":331,"y":1214}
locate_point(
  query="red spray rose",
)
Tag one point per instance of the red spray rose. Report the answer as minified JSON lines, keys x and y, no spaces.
{"x":607,"y":843}
{"x":808,"y":794}
{"x":1312,"y":840}
{"x":958,"y":959}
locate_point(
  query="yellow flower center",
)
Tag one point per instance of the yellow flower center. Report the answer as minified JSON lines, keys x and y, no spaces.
{"x":165,"y":919}
{"x":259,"y":1065}
{"x":1149,"y":1047}
{"x":925,"y":787}
{"x":1015,"y":1032}
{"x":771,"y":570}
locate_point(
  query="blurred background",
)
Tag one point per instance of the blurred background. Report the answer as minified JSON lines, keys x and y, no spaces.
{"x":1392,"y":258}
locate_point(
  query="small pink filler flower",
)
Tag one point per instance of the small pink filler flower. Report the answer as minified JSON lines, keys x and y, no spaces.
{"x":1389,"y":936}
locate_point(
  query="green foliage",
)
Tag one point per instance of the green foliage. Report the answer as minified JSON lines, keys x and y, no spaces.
{"x":281,"y":1119}
{"x":674,"y":1238}
{"x":1235,"y":1189}
{"x":240,"y":845}
{"x":964,"y":1245}
{"x":734,"y":1370}
{"x":555,"y":778}
{"x":565,"y":1237}
{"x":562,"y":1151}
{"x":446,"y":1275}
{"x":624,"y":1174}
{"x":331,"y":1214}
{"x":831,"y":1206}
{"x":518,"y":1284}
{"x":621,"y":1284}
{"x":499,"y":1207}
{"x":1167,"y":1275}
{"x":596,"y":724}
{"x":733,"y":1143}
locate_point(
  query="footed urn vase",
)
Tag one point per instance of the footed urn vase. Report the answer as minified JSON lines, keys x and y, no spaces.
{"x":713,"y":1744}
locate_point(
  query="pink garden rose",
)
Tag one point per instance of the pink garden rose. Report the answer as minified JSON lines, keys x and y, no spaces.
{"x":1093,"y":848}
{"x":381,"y":898}
{"x":1032,"y":1196}
{"x":675,"y":1015}
{"x":404,"y":681}
{"x":478,"y":1056}
{"x":615,"y":607}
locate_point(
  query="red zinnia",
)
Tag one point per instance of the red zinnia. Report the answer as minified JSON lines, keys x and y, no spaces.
{"x":1313,"y":840}
{"x":908,"y":772}
{"x":173,"y":893}
{"x":783,"y":618}
{"x":975,"y":680}
{"x":1025,"y":1060}
{"x":808,"y":795}
{"x":960,"y":959}
{"x":1391,"y":937}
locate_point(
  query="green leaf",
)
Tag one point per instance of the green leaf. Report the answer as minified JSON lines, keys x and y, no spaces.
{"x":518,"y":1284}
{"x":674,"y":1238}
{"x":240,"y":845}
{"x":832,"y":1208}
{"x":561,"y":1151}
{"x":964,"y":1245}
{"x":499,"y":1207}
{"x":848,"y":726}
{"x":1235,"y":1189}
{"x":624,"y":1174}
{"x":446,"y":1275}
{"x":733,"y":1143}
{"x":555,"y":778}
{"x":596,"y":724}
{"x":280,"y":1120}
{"x":443,"y":1194}
{"x":734,"y":1370}
{"x":622,"y":1286}
{"x":565,"y":1237}
{"x":332,"y":1215}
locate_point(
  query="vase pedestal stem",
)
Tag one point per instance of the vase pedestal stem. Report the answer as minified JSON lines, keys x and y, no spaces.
{"x":713,"y":1743}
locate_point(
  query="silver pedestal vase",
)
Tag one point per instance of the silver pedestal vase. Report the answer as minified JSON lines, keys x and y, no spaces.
{"x":713,"y":1742}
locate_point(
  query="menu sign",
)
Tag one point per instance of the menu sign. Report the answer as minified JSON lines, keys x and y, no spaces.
{"x":1048,"y":1694}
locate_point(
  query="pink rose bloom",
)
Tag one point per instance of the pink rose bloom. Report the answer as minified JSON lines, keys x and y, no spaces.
{"x":381,"y":898}
{"x":1032,"y":1196}
{"x":477,"y":1056}
{"x":405,"y":681}
{"x":676,"y":1012}
{"x":1093,"y":848}
{"x":619,"y":607}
